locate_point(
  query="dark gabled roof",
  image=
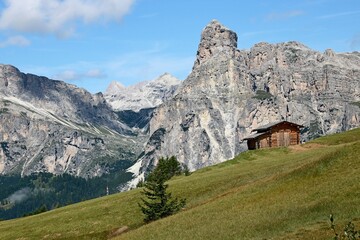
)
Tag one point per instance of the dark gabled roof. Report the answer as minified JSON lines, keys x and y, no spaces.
{"x":255,"y":135}
{"x":270,"y":125}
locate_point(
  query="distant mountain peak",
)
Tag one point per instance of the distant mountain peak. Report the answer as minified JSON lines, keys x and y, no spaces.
{"x":166,"y":78}
{"x":114,"y":87}
{"x":165,"y":74}
{"x":146,"y":94}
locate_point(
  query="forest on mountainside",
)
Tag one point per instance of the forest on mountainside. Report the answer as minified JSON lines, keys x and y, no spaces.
{"x":20,"y":196}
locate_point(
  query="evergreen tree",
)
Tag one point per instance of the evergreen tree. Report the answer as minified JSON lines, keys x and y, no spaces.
{"x":165,"y":169}
{"x":158,"y":202}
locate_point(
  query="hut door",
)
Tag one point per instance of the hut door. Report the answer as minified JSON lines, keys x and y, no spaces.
{"x":286,"y":139}
{"x":280,"y":138}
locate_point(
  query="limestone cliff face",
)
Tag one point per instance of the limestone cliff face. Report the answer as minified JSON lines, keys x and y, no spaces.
{"x":231,"y":91}
{"x":51,"y":126}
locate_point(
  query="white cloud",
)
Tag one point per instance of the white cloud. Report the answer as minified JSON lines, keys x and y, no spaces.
{"x":20,"y":195}
{"x":67,"y":75}
{"x":94,"y":73}
{"x":73,"y":75}
{"x":59,"y":17}
{"x":15,"y":41}
{"x":284,"y":15}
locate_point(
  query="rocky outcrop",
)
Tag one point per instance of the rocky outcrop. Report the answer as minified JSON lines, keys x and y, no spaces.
{"x":144,"y":95}
{"x":231,"y":91}
{"x":51,"y":126}
{"x":216,"y":40}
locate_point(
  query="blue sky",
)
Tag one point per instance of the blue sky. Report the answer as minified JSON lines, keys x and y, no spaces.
{"x":90,"y":43}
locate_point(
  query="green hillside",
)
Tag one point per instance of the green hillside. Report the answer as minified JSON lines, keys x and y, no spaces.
{"x":284,"y":193}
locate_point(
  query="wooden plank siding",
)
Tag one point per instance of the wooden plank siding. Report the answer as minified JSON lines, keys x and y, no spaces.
{"x":284,"y":135}
{"x":265,"y":141}
{"x":281,"y":134}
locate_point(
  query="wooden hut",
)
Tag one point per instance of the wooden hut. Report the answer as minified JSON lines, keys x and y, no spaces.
{"x":278,"y":134}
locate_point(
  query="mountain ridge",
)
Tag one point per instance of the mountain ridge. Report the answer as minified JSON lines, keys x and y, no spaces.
{"x":223,"y":98}
{"x":50,"y":126}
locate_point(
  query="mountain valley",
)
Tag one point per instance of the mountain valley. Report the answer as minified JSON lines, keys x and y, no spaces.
{"x":279,"y":193}
{"x":49,"y":126}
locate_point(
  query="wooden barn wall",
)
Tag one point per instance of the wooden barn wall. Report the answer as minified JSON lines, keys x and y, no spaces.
{"x":281,"y":135}
{"x":264,"y":141}
{"x":284,"y":135}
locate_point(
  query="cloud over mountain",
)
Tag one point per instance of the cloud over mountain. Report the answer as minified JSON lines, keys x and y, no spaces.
{"x":59,"y":17}
{"x":20,"y":41}
{"x":70,"y":75}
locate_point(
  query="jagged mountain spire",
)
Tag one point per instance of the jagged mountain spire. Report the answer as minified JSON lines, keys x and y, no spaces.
{"x":215,"y":38}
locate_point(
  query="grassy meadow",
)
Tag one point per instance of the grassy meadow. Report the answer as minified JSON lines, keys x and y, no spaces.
{"x":282,"y":193}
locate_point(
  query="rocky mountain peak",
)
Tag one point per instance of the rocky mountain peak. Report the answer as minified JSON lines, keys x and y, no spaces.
{"x":167,"y":79}
{"x":147,"y":94}
{"x":114,"y":87}
{"x":165,"y":74}
{"x":215,"y":39}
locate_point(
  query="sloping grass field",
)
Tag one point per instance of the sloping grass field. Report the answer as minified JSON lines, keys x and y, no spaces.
{"x":283,"y":193}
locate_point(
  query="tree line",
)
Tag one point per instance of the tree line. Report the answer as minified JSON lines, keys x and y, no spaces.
{"x":21,"y":196}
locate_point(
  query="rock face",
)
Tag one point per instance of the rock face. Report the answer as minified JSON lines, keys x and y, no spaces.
{"x":231,"y":91}
{"x":51,"y":126}
{"x":144,"y":95}
{"x":138,"y":121}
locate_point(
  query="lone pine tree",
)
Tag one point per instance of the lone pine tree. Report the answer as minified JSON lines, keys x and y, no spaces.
{"x":157,"y":202}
